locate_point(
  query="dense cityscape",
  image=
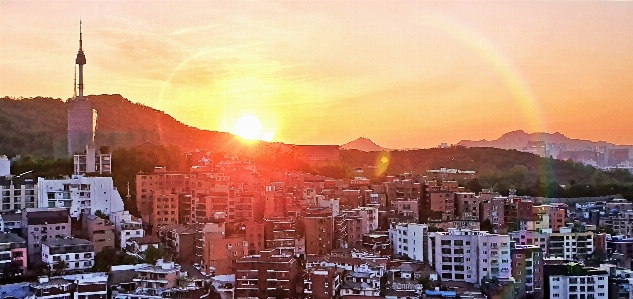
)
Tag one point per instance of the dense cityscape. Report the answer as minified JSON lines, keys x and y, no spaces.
{"x":226,"y":226}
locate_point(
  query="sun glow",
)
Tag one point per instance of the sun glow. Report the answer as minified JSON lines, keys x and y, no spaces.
{"x":249,"y":127}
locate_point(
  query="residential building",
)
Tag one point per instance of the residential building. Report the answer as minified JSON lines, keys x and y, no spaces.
{"x":13,"y":257}
{"x":279,"y":234}
{"x":264,"y":276}
{"x":183,"y":242}
{"x":322,"y":283}
{"x":441,"y":204}
{"x":221,"y":251}
{"x":163,"y":280}
{"x":17,"y":193}
{"x":407,"y":240}
{"x":467,"y":205}
{"x":253,"y":233}
{"x":165,"y":208}
{"x":80,"y":194}
{"x":620,"y":281}
{"x":406,"y":207}
{"x":99,"y":231}
{"x":361,"y":284}
{"x":537,"y":238}
{"x":527,"y":270}
{"x":574,"y":281}
{"x":12,"y":223}
{"x":76,"y":254}
{"x":42,"y":224}
{"x":140,"y":245}
{"x":470,"y":256}
{"x":570,"y":245}
{"x":319,"y":231}
{"x":126,"y":226}
{"x":92,"y":162}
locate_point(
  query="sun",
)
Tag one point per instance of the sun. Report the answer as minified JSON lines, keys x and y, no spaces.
{"x":249,"y":127}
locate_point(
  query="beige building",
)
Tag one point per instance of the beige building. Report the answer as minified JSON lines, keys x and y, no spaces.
{"x":97,"y":230}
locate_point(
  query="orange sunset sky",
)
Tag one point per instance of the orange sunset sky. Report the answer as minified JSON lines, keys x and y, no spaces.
{"x":405,"y":74}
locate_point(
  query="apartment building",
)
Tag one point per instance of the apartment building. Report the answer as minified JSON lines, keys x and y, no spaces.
{"x":41,"y":225}
{"x":570,"y":245}
{"x":164,"y":208}
{"x":99,"y":231}
{"x":575,"y":281}
{"x":470,"y":256}
{"x":279,"y":234}
{"x":221,"y":251}
{"x":12,"y":223}
{"x":620,"y":221}
{"x":407,"y":240}
{"x":76,"y":254}
{"x":322,"y":283}
{"x":156,"y":184}
{"x":406,"y":208}
{"x":80,"y":194}
{"x":467,"y":206}
{"x":17,"y":193}
{"x":441,"y":204}
{"x":494,"y":210}
{"x":163,"y":280}
{"x":319,"y":231}
{"x":92,"y":161}
{"x":527,"y":270}
{"x":537,"y":238}
{"x":264,"y":276}
{"x":183,"y":242}
{"x":13,"y":258}
{"x":253,"y":233}
{"x":368,"y":215}
{"x":126,"y":227}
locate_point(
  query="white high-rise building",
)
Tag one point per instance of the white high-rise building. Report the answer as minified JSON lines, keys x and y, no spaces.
{"x":572,"y":280}
{"x":80,"y":194}
{"x":126,"y":227}
{"x":93,"y":162}
{"x":407,"y":239}
{"x":470,"y":255}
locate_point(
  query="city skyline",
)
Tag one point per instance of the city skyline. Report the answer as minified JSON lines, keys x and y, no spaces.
{"x":406,"y":74}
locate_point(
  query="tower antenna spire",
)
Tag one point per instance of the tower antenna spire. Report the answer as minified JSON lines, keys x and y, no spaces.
{"x":81,"y":60}
{"x":75,"y":83}
{"x":80,"y":45}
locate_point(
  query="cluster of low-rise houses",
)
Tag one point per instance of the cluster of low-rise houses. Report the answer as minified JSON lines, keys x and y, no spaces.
{"x":257,"y":232}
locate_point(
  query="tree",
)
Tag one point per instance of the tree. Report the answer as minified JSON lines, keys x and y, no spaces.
{"x":486,"y":225}
{"x":153,"y":254}
{"x":425,"y":281}
{"x":101,"y":215}
{"x":105,"y":259}
{"x":60,"y":266}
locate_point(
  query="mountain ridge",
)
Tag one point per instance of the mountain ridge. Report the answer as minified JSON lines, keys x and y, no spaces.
{"x":363,"y":144}
{"x":518,"y":139}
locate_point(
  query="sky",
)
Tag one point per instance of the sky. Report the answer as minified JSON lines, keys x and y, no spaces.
{"x":406,"y":74}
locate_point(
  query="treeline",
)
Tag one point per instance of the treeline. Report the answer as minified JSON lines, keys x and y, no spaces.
{"x":34,"y":127}
{"x":502,"y":170}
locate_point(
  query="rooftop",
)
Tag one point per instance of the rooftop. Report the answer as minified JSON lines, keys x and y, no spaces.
{"x":10,"y":238}
{"x":66,"y":242}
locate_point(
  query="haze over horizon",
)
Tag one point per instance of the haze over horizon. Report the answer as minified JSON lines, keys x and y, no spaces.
{"x":403,"y":74}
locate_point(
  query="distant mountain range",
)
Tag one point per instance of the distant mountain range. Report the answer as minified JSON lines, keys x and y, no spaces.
{"x":519,"y":139}
{"x":363,"y":144}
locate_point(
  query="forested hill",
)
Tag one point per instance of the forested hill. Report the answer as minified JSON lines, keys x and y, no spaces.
{"x":501,"y":169}
{"x":37,"y":127}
